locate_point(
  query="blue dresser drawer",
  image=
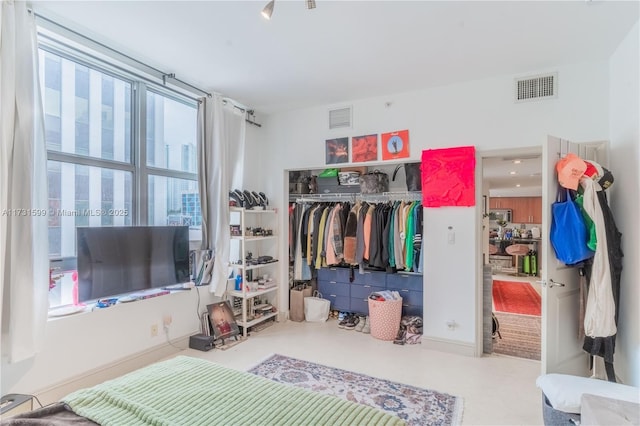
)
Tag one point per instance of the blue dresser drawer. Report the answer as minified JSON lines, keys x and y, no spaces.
{"x":332,"y":287}
{"x":402,"y":281}
{"x":370,"y":277}
{"x":411,"y":297}
{"x":363,"y":291}
{"x":340,"y":275}
{"x":412,"y":310}
{"x":359,"y":306}
{"x":340,"y":303}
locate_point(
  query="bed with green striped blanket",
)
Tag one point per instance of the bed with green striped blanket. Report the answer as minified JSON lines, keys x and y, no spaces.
{"x":191,"y":391}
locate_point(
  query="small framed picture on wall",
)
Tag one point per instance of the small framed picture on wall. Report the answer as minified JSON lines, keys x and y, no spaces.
{"x":395,"y":145}
{"x":364,"y":148}
{"x":337,"y":150}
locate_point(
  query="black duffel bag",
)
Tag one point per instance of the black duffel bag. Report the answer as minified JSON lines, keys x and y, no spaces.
{"x":374,"y":182}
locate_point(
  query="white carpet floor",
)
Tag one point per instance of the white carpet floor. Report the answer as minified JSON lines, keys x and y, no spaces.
{"x":497,"y":390}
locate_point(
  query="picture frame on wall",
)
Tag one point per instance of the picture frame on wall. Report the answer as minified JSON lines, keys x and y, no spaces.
{"x":395,"y":145}
{"x":337,"y":150}
{"x":364,"y":148}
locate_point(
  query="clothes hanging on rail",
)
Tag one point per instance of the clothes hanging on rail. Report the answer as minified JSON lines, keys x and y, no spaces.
{"x":383,"y":235}
{"x":301,"y":270}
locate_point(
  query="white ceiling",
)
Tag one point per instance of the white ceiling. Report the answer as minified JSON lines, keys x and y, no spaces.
{"x":345,"y":50}
{"x":513,"y":175}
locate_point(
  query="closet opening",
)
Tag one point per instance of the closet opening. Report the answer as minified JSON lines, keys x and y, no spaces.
{"x":352,"y":245}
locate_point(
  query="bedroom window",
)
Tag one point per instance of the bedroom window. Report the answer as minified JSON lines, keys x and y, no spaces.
{"x":95,"y":146}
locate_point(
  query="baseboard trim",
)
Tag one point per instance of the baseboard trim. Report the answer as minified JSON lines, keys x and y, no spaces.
{"x":114,"y":369}
{"x":449,"y":346}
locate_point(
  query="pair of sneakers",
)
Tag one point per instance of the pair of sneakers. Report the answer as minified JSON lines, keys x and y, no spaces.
{"x":349,"y":321}
{"x":363,"y":325}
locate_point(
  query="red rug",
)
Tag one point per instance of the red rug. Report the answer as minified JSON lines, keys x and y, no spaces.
{"x":516,"y":298}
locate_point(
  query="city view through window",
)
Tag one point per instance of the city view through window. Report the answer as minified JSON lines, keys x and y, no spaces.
{"x":94,"y":176}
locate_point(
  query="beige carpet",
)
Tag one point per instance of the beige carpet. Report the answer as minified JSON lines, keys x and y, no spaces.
{"x":520,"y":336}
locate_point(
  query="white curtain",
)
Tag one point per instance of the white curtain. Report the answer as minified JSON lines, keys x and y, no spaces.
{"x":221,"y":134}
{"x":24,"y":263}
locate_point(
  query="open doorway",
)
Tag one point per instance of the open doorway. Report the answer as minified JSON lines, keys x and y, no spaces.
{"x":512,"y":188}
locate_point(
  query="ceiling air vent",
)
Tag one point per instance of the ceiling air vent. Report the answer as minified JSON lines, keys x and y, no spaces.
{"x":537,"y":87}
{"x":340,"y":118}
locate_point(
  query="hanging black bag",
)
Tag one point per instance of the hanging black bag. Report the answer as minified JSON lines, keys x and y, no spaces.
{"x":413,"y":175}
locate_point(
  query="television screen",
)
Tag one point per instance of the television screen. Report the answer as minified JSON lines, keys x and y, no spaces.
{"x":119,"y":260}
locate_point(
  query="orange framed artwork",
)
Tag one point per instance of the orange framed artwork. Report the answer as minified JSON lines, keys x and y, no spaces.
{"x":395,"y":145}
{"x":364,"y":148}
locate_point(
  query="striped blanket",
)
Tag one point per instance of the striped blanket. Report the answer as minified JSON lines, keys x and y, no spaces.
{"x":191,"y":391}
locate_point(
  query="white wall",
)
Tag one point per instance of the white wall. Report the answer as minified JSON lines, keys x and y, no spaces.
{"x":86,"y":342}
{"x":625,"y":200}
{"x":480,"y":113}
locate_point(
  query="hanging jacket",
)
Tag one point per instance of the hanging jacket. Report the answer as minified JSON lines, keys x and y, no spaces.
{"x":321,"y":229}
{"x":599,"y":317}
{"x":605,"y":346}
{"x":350,"y":231}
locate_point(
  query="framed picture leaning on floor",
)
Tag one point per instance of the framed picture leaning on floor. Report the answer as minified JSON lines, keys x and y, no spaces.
{"x":222,"y":320}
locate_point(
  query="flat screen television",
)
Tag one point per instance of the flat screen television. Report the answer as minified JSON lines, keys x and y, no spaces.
{"x":123,"y":259}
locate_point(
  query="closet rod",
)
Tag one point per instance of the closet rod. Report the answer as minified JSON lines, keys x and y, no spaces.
{"x":373,"y":198}
{"x":392,"y":196}
{"x":333,"y":197}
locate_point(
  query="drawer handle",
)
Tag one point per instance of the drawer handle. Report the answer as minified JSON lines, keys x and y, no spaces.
{"x":332,"y":282}
{"x":405,"y":290}
{"x":367,"y":286}
{"x":404,"y":276}
{"x":332,"y":295}
{"x":333,"y":269}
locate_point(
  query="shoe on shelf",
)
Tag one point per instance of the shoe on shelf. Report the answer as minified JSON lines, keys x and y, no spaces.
{"x":352,"y":322}
{"x":360,"y":325}
{"x":367,"y":326}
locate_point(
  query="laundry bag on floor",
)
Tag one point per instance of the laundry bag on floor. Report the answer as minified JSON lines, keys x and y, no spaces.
{"x":384,"y":318}
{"x":316,"y":309}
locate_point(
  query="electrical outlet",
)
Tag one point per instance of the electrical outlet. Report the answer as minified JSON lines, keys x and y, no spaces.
{"x":154,"y":330}
{"x":167,"y":320}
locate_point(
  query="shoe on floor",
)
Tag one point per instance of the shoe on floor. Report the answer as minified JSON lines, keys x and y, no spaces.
{"x":360,"y":324}
{"x":345,"y":319}
{"x":352,"y":322}
{"x":367,"y":326}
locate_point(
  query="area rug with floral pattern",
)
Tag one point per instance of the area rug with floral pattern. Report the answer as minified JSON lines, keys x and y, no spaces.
{"x":416,"y":406}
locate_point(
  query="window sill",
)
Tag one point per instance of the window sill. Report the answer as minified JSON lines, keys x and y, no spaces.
{"x":73,"y":310}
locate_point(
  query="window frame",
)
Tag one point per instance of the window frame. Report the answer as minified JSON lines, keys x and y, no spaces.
{"x":137,"y":164}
